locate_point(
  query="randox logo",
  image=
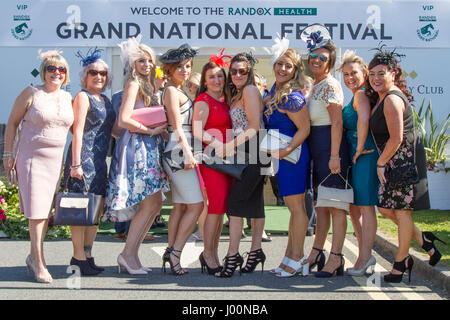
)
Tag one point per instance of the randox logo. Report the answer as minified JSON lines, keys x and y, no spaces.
{"x":249,"y":11}
{"x":21,"y":30}
{"x":427,"y":32}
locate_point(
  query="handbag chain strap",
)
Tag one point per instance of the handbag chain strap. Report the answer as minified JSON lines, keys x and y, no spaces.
{"x":346,"y":180}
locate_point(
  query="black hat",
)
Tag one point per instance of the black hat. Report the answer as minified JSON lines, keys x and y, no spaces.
{"x":179,"y":54}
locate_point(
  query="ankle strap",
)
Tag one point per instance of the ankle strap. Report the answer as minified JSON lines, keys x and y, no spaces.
{"x":337,"y":254}
{"x":320,"y":250}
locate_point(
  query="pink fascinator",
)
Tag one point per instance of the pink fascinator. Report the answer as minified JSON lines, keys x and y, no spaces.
{"x":219,"y":59}
{"x":47,"y":54}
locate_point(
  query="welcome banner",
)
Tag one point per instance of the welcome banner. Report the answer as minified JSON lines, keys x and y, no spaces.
{"x":222,"y":23}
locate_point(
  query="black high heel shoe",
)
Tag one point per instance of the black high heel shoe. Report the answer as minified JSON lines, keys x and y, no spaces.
{"x":175,"y":268}
{"x":230,"y":265}
{"x":400,"y":266}
{"x":339,"y":270}
{"x":428,"y":244}
{"x":204,"y":266}
{"x":85,"y":268}
{"x":254,"y":257}
{"x":320,"y":260}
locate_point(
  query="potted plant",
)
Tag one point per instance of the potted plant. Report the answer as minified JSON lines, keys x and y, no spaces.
{"x":435,"y":140}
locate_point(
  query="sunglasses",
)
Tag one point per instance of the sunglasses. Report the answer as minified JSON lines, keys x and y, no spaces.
{"x":95,"y":72}
{"x":322,"y":57}
{"x":242,"y":71}
{"x":52,"y":69}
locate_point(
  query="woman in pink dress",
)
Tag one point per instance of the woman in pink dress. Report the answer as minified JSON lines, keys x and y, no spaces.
{"x":211,"y":120}
{"x":46,"y":115}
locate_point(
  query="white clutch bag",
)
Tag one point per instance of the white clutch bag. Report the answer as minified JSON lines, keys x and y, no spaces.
{"x":334,"y":197}
{"x":275,"y":140}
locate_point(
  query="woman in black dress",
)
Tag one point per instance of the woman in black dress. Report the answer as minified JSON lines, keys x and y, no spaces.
{"x":400,"y":146}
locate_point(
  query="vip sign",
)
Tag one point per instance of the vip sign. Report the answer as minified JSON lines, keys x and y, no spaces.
{"x":21,"y":23}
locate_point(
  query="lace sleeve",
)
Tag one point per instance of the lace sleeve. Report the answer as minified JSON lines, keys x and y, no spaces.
{"x":334,"y":93}
{"x":294,"y":103}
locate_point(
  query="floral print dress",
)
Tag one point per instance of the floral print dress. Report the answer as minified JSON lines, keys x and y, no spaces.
{"x":409,"y":197}
{"x":136,"y":173}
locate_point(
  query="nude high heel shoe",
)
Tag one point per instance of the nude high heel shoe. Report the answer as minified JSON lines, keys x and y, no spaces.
{"x":30,"y":265}
{"x":122,"y":263}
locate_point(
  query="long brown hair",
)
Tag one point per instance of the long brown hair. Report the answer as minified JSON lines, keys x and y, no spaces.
{"x":233,"y":93}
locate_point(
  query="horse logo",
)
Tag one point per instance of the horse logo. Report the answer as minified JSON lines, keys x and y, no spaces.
{"x":20,"y":28}
{"x":427,"y":33}
{"x":22,"y":31}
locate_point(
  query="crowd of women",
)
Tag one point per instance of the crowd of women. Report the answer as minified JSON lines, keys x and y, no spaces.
{"x":362,"y":144}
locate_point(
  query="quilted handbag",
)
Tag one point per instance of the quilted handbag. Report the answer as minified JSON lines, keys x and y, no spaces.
{"x":77,"y":209}
{"x":275,"y":140}
{"x":334,"y":197}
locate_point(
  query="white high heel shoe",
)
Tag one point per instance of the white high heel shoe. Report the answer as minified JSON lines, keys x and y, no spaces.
{"x":359,"y":273}
{"x":122,"y":263}
{"x":297,"y":266}
{"x":285,"y":261}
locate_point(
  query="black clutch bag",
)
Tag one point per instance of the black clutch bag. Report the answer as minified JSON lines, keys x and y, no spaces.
{"x":77,"y":209}
{"x":233,"y":167}
{"x":401,"y":176}
{"x":402,"y":171}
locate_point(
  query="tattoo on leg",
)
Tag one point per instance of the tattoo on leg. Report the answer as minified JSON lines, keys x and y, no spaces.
{"x":87,"y":251}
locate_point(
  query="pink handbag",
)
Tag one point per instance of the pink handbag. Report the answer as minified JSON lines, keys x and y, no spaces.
{"x":151,"y":117}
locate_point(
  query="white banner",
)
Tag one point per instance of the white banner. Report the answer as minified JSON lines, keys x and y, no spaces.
{"x":222,"y":23}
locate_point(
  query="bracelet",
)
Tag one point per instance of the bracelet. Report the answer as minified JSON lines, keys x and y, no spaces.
{"x":380,"y":166}
{"x":76,"y":166}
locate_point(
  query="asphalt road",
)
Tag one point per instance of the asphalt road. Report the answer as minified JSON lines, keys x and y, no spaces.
{"x":15,"y":284}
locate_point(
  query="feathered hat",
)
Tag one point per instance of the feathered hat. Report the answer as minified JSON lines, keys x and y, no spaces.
{"x":278,"y":48}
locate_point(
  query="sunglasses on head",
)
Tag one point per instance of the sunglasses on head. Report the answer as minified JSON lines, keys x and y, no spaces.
{"x":52,"y":69}
{"x":95,"y":72}
{"x":242,"y":71}
{"x":322,"y":57}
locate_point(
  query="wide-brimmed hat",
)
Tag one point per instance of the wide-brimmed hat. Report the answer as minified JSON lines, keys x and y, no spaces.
{"x":181,"y":53}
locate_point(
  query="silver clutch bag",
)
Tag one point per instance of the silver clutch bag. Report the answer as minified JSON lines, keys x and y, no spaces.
{"x":274,"y":140}
{"x":334,"y":197}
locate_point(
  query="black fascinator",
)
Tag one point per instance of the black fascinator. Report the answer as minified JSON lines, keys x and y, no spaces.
{"x":251,"y":58}
{"x":179,"y":54}
{"x":386,"y":57}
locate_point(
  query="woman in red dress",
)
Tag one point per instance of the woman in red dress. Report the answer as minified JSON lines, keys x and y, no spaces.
{"x":210,"y":123}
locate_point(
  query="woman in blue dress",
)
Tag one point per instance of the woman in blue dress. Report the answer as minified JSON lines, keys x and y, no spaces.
{"x":364,"y":179}
{"x":285,"y":111}
{"x":137,"y":178}
{"x":94,"y":119}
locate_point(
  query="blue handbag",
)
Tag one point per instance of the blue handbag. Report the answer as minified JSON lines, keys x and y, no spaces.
{"x":77,"y":209}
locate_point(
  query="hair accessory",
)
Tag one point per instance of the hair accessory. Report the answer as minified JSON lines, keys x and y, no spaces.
{"x":251,"y":58}
{"x":219,"y":59}
{"x":158,"y":72}
{"x":181,"y":53}
{"x":316,"y":36}
{"x":387,"y":57}
{"x":49,"y":53}
{"x":90,"y":57}
{"x":278,"y":48}
{"x":130,"y":51}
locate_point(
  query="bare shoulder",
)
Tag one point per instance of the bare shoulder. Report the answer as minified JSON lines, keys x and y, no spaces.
{"x":393,"y":101}
{"x":251,"y":90}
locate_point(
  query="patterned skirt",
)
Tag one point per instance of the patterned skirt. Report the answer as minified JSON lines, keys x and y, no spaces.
{"x":136,"y":173}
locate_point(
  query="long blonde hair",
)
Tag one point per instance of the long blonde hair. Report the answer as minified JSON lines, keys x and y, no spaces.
{"x":297,"y":83}
{"x":146,"y":83}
